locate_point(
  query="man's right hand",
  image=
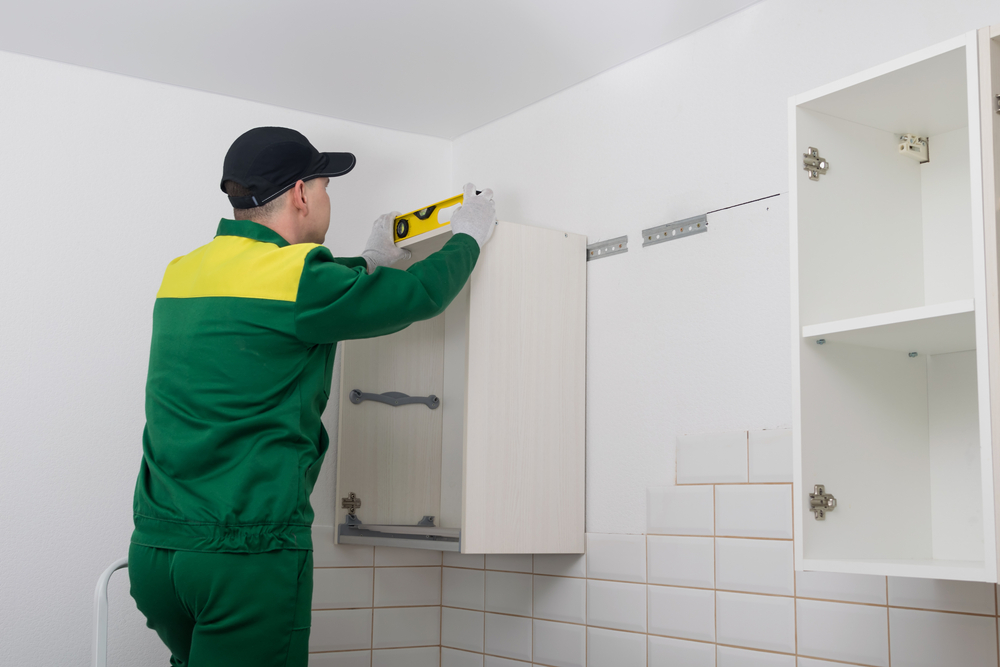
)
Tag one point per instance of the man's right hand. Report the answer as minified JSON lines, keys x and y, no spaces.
{"x":477,"y":216}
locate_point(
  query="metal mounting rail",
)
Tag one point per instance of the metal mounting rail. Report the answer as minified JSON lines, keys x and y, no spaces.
{"x":424,"y":535}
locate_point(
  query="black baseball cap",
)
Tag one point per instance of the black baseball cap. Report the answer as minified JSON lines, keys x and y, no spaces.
{"x":269,"y":160}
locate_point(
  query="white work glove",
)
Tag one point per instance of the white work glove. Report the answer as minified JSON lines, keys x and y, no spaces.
{"x":381,"y":250}
{"x":477,"y":216}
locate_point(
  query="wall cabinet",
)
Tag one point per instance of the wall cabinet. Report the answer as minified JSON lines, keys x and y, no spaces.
{"x":498,"y":465}
{"x":896,"y":326}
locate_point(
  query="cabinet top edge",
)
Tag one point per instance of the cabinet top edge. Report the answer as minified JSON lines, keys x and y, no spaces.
{"x":967,"y":40}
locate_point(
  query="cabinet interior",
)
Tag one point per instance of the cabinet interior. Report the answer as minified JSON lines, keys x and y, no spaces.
{"x":889,"y":374}
{"x":406,"y":462}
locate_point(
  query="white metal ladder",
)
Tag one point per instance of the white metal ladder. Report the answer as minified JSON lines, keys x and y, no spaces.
{"x":101,"y":613}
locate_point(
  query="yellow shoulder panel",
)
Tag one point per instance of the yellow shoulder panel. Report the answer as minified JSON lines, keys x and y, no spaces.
{"x":237,"y":266}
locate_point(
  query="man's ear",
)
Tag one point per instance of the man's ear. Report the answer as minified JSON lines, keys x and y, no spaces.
{"x":298,"y":196}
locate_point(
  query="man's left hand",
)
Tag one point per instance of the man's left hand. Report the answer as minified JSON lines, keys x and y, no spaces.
{"x":381,"y":250}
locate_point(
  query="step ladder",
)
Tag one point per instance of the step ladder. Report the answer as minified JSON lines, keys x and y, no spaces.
{"x":100,"y":654}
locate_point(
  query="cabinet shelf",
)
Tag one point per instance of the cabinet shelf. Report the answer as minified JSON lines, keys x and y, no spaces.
{"x":935,"y":329}
{"x":928,"y":569}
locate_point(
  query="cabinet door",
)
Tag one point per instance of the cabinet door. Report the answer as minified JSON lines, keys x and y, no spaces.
{"x":989,"y":95}
{"x":525,"y":414}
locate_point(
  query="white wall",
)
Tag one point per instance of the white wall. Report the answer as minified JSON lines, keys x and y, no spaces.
{"x":690,"y":336}
{"x":103,"y":180}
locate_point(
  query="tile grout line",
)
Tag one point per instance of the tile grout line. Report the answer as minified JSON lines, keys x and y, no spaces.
{"x":888,"y":625}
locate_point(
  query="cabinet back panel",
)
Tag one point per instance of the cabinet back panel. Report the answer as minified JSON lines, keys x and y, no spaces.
{"x":956,"y":475}
{"x":525,"y":427}
{"x":391,"y":456}
{"x":947,"y":218}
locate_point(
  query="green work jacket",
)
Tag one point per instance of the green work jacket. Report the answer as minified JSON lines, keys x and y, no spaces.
{"x":244,"y":334}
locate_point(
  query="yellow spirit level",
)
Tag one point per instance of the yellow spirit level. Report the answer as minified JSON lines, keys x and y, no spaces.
{"x":425,"y":220}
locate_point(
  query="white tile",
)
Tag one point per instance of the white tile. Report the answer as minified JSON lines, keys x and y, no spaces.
{"x":846,"y":632}
{"x":867,"y":588}
{"x":341,"y":659}
{"x":342,"y":588}
{"x":474,"y":561}
{"x":564,"y":565}
{"x":685,"y":510}
{"x":407,"y":626}
{"x":812,"y":662}
{"x":755,"y":566}
{"x":754,"y":511}
{"x":712,"y":458}
{"x":560,"y":599}
{"x":427,"y":656}
{"x":463,"y":588}
{"x":559,"y":644}
{"x":462,"y":629}
{"x":393,"y":557}
{"x":611,"y":604}
{"x":341,"y":630}
{"x":508,"y":593}
{"x":756,"y":621}
{"x":328,"y":554}
{"x":610,"y":648}
{"x":453,"y":658}
{"x":931,"y":639}
{"x":616,"y":557}
{"x":509,"y":562}
{"x":508,"y":636}
{"x":494,"y":661}
{"x":738,"y":657}
{"x":973,"y":597}
{"x":771,"y":455}
{"x":407,"y":586}
{"x":681,"y":561}
{"x":681,"y":612}
{"x":667,"y":652}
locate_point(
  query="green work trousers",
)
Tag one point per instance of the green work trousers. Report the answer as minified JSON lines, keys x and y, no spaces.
{"x":219,"y":609}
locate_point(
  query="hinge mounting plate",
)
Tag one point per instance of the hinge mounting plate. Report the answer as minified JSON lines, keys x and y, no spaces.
{"x":821,"y":502}
{"x":814,"y":164}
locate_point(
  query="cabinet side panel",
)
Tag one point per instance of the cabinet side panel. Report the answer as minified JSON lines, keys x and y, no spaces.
{"x":989,"y":73}
{"x":859,"y":229}
{"x":456,"y":335}
{"x":525,"y":429}
{"x":864,"y":434}
{"x":391,"y":456}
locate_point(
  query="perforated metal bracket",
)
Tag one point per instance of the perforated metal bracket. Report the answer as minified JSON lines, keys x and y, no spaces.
{"x":607,"y":248}
{"x":674,"y":230}
{"x":394,"y":398}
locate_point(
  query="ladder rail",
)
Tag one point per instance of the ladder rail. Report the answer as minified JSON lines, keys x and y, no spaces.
{"x":100,"y":654}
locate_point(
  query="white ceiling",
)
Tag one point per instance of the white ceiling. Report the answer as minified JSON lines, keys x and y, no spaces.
{"x":437,"y":67}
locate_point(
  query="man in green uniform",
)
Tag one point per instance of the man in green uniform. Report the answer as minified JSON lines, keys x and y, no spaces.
{"x":244,"y":334}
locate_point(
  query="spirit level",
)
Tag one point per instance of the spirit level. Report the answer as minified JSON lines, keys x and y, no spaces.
{"x":436,"y":217}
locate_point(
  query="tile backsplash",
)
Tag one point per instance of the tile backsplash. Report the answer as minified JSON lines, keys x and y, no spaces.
{"x":711,"y":584}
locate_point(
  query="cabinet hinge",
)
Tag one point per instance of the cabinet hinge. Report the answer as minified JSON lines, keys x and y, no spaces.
{"x":814,"y":164}
{"x":350,"y":503}
{"x":821,"y":502}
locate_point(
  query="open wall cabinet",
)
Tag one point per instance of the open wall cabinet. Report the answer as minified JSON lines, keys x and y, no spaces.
{"x":497,"y":464}
{"x":896,"y":326}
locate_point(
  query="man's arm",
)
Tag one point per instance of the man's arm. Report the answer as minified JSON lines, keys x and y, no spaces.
{"x":337,"y":302}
